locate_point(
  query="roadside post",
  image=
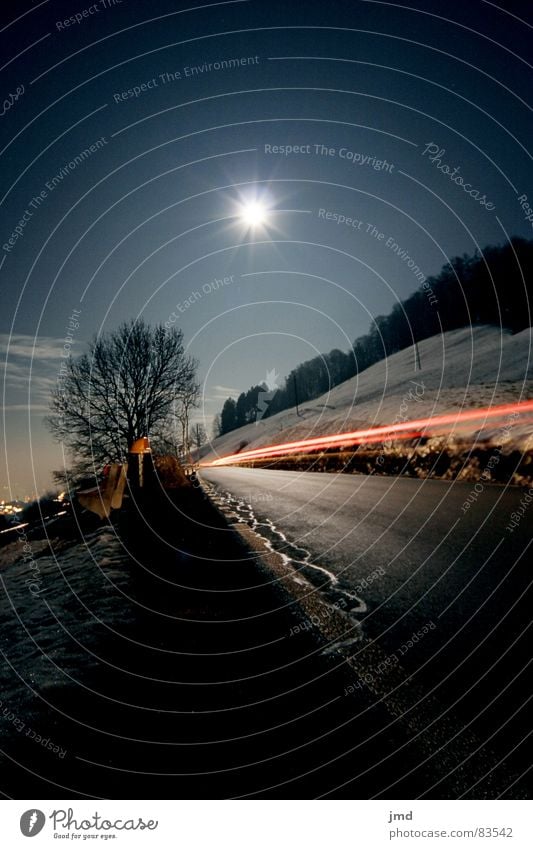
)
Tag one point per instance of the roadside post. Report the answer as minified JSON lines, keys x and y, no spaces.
{"x":140,"y":464}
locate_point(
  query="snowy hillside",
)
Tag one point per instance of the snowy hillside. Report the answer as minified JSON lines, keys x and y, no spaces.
{"x":472,"y":367}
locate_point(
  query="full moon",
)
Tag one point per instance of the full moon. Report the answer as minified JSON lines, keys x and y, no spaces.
{"x":253,"y":214}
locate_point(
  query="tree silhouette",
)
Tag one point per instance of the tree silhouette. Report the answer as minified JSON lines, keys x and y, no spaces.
{"x":182,"y":412}
{"x":198,"y":435}
{"x":126,"y":386}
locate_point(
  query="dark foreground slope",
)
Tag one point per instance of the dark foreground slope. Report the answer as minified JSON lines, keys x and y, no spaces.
{"x":160,"y":660}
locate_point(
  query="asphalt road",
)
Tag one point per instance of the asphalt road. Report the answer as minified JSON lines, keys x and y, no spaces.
{"x":154,"y":673}
{"x":418,"y":560}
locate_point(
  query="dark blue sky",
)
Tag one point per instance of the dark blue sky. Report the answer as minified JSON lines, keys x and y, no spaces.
{"x":140,"y":133}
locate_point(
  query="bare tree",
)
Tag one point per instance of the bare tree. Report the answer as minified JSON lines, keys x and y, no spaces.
{"x":216,"y":427}
{"x":185,"y":404}
{"x":126,"y":386}
{"x":198,"y":435}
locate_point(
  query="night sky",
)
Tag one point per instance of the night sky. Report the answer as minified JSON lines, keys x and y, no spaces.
{"x":133,"y":134}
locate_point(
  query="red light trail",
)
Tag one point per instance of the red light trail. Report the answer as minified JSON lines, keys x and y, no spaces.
{"x":402,"y":430}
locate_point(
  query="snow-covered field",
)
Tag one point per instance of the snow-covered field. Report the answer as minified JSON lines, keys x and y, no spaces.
{"x":60,"y":606}
{"x":473,"y":367}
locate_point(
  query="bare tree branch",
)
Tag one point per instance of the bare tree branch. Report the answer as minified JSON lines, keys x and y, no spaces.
{"x":132,"y":382}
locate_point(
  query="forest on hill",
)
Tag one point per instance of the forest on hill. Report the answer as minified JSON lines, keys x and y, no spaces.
{"x":489,"y":287}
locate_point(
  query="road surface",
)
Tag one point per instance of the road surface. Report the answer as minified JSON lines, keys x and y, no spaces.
{"x":443,"y":588}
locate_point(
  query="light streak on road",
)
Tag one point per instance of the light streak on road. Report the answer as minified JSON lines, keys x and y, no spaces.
{"x":403,"y":430}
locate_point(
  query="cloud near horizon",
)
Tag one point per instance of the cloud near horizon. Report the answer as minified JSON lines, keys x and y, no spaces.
{"x":30,"y":368}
